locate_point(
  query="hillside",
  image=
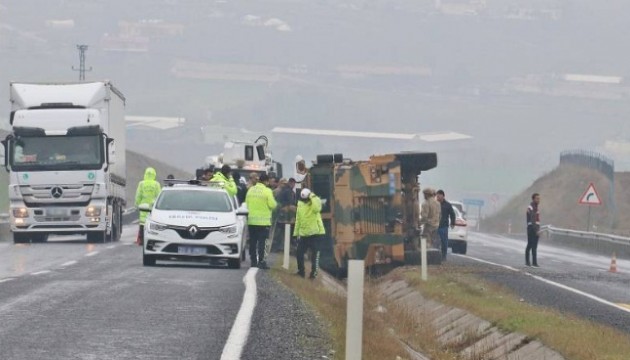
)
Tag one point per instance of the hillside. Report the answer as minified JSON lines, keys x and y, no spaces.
{"x":560,"y":192}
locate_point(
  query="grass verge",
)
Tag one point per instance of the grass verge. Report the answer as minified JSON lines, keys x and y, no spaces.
{"x":378,"y":341}
{"x":573,"y":337}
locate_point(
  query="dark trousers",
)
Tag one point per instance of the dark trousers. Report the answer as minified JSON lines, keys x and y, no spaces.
{"x":532,"y":244}
{"x":443,"y":233}
{"x":305,"y":243}
{"x":257,"y":240}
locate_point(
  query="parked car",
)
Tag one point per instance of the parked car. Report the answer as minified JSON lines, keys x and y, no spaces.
{"x":459,"y":206}
{"x":196,"y":222}
{"x":458,"y":235}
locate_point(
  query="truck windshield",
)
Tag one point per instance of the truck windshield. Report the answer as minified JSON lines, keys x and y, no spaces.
{"x":57,"y":153}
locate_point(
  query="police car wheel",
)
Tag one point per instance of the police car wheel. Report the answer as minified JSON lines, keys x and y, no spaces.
{"x":148,"y":260}
{"x":234,"y":263}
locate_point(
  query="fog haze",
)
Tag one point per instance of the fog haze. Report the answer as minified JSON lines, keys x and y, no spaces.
{"x":525,"y":79}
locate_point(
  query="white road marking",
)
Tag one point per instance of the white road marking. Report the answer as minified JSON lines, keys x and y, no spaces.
{"x":41,"y":272}
{"x":240,"y":330}
{"x":553,"y":283}
{"x":111,"y":246}
{"x":69,"y":263}
{"x":92,"y":253}
{"x":6,"y":280}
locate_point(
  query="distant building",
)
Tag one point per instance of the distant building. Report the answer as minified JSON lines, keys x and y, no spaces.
{"x":460,"y":7}
{"x":236,"y":72}
{"x":117,"y":43}
{"x":60,"y":24}
{"x":150,"y":28}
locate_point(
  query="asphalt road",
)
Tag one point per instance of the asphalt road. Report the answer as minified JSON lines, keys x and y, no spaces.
{"x":70,"y":300}
{"x":568,"y":280}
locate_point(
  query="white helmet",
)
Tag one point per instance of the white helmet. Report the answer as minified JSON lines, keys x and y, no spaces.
{"x":299,"y":158}
{"x":305,"y":193}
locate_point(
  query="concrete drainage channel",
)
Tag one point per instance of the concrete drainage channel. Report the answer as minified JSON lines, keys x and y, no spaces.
{"x":454,"y":327}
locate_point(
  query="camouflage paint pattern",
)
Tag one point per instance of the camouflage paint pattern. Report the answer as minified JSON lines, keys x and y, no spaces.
{"x":372,"y":207}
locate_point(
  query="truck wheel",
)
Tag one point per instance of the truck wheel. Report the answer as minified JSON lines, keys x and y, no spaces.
{"x":234,"y":263}
{"x":96,"y":237}
{"x":40,"y":237}
{"x":21,"y":238}
{"x":148,"y":260}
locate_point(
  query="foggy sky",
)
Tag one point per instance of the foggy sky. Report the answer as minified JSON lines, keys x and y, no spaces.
{"x":475,"y":59}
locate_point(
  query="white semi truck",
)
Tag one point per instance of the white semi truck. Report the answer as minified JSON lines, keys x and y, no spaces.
{"x":66,"y":161}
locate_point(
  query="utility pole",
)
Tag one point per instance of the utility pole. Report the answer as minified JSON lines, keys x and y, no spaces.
{"x":82,"y":49}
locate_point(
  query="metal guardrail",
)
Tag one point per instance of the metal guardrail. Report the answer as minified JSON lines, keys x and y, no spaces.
{"x":591,"y":242}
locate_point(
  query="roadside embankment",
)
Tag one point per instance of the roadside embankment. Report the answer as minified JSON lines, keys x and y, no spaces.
{"x":455,"y":315}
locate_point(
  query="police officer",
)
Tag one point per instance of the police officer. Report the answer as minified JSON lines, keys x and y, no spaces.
{"x":309,"y":228}
{"x":146,"y":193}
{"x":225,"y":176}
{"x":260,"y":203}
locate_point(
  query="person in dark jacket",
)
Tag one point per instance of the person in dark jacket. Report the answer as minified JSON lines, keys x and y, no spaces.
{"x":446,"y":219}
{"x":241,"y":186}
{"x":533,"y":230}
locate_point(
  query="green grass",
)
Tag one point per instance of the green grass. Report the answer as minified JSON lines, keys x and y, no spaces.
{"x":573,"y":337}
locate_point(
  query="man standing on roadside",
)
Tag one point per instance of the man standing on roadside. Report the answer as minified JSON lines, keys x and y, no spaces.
{"x":533,"y":230}
{"x":146,"y":194}
{"x":447,"y":214}
{"x":309,"y":228}
{"x":260,"y":203}
{"x":430,"y":213}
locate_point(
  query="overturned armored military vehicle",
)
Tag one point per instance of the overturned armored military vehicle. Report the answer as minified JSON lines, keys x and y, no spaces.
{"x":371,"y":209}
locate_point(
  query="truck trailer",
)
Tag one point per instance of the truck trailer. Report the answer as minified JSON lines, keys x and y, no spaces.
{"x":66,"y":160}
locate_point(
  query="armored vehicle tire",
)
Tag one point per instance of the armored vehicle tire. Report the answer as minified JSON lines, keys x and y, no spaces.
{"x":148,"y":260}
{"x":21,"y":238}
{"x":234,"y":263}
{"x":460,"y":247}
{"x":96,"y":237}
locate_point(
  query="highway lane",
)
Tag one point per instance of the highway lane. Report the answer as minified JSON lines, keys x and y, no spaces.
{"x":568,"y":280}
{"x":70,"y":300}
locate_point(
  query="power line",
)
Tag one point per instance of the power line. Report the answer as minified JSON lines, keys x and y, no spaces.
{"x":82,"y":49}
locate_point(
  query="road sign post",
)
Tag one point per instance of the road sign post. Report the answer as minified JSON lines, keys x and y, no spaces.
{"x":590,"y":198}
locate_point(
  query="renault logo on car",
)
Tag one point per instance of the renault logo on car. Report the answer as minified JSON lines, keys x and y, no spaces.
{"x":56,"y":192}
{"x":193,"y":230}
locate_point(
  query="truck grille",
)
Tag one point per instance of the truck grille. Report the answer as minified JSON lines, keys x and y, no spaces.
{"x":56,"y":194}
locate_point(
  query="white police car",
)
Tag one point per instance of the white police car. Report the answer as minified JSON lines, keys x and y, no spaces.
{"x":193,"y":221}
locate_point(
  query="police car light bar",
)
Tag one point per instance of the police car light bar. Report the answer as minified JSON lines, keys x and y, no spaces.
{"x":185,"y":182}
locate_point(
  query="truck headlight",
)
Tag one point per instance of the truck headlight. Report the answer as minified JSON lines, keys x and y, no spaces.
{"x":231,"y":230}
{"x":93,"y":211}
{"x":20,"y":212}
{"x":153,"y":226}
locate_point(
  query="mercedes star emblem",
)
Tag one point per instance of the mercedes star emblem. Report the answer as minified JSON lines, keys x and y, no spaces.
{"x":193,"y":230}
{"x":56,"y":192}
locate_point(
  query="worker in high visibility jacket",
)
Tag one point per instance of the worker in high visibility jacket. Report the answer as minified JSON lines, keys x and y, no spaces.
{"x":260,"y":204}
{"x":309,"y":229}
{"x":225,"y":176}
{"x":146,"y":193}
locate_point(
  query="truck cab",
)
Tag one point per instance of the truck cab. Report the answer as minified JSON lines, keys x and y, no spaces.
{"x":65,"y":175}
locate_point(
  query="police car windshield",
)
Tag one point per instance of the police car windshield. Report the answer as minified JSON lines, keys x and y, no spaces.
{"x":194,"y":200}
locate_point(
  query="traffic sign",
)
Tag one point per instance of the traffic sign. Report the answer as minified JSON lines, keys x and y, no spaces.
{"x":473,"y":202}
{"x":590,"y":196}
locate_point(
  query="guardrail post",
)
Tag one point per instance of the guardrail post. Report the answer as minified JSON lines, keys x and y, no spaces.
{"x":287,"y":246}
{"x":354,"y":321}
{"x":423,"y":258}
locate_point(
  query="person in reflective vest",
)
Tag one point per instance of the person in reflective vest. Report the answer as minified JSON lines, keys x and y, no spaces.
{"x":309,"y":229}
{"x":146,"y":193}
{"x":260,"y":204}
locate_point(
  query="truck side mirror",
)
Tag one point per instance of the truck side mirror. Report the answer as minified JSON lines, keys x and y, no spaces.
{"x":111,"y":151}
